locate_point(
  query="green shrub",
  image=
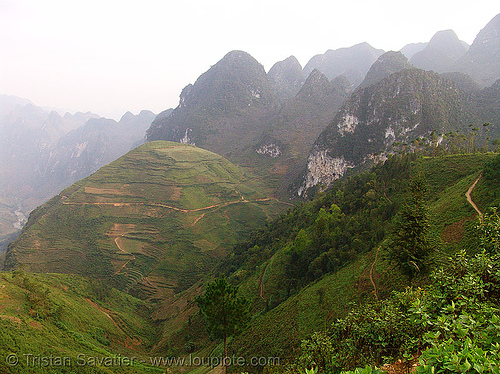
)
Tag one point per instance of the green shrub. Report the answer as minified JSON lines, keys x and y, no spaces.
{"x":491,"y":170}
{"x":317,"y":355}
{"x":454,"y":322}
{"x":378,"y":332}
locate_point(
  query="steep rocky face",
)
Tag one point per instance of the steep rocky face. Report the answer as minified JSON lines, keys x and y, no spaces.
{"x":387,"y":64}
{"x":482,"y":60}
{"x":394,"y":112}
{"x":225,"y":110}
{"x":28,"y":137}
{"x":353,"y":62}
{"x":287,"y":78}
{"x":463,"y":81}
{"x":411,"y":49}
{"x":488,"y":103}
{"x":300,"y":121}
{"x":442,"y":52}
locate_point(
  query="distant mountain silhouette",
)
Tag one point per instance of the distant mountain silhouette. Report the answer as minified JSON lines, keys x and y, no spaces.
{"x":410,"y":49}
{"x":441,"y":53}
{"x":353,"y":62}
{"x":43,"y":152}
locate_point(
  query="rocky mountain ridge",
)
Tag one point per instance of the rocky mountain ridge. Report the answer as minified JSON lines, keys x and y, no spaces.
{"x":225,"y":110}
{"x":482,"y":60}
{"x":287,"y":77}
{"x":409,"y":108}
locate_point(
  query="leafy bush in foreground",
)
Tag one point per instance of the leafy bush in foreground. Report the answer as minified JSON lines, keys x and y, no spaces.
{"x":453,"y":324}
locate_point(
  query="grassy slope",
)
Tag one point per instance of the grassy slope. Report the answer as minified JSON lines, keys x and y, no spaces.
{"x":281,"y":329}
{"x":76,"y":323}
{"x":276,"y":332}
{"x":153,"y":222}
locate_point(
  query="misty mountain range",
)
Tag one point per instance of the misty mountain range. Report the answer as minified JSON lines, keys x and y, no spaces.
{"x":43,"y":152}
{"x":295,"y":126}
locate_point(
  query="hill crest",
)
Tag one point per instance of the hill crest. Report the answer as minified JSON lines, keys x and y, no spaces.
{"x":152,"y":222}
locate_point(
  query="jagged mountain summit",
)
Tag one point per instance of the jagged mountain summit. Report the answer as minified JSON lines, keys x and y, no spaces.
{"x":387,"y":64}
{"x":225,"y":110}
{"x":353,"y":62}
{"x":442,"y":52}
{"x":287,"y":77}
{"x":482,"y":60}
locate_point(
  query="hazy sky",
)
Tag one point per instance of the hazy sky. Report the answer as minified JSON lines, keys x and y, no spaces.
{"x":110,"y":56}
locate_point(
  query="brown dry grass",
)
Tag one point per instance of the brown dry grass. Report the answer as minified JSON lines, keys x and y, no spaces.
{"x":455,"y":232}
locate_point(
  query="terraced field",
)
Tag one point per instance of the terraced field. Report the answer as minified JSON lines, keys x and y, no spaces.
{"x":153,"y":222}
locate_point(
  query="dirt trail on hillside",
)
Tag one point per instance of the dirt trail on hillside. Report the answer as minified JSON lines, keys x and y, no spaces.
{"x":197,"y":219}
{"x":180,"y":209}
{"x":131,"y":341}
{"x":117,"y":232}
{"x":469,"y":199}
{"x":371,"y":273}
{"x":124,"y":251}
{"x":261,"y":283}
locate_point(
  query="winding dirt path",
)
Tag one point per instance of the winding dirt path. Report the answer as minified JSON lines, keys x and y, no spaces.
{"x":375,"y":291}
{"x":124,"y":251}
{"x":469,"y":199}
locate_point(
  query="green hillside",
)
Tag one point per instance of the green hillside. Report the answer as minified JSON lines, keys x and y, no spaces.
{"x":301,"y":271}
{"x":362,"y":276}
{"x":55,"y":323}
{"x":152,"y":223}
{"x":308,"y":267}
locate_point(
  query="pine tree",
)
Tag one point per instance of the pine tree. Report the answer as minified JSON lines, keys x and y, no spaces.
{"x":410,"y":245}
{"x":225,"y":312}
